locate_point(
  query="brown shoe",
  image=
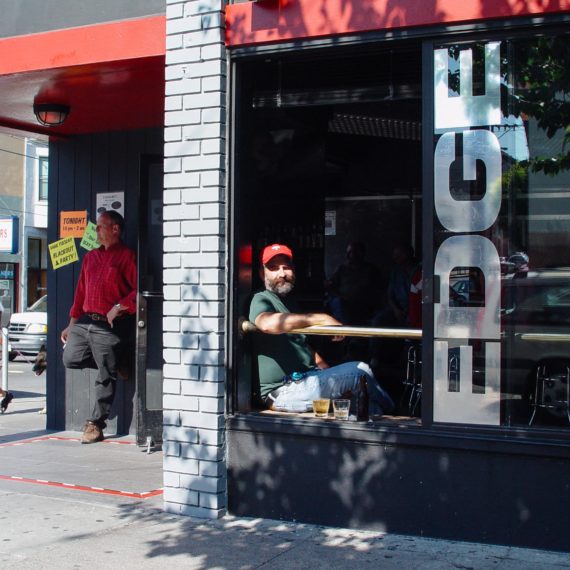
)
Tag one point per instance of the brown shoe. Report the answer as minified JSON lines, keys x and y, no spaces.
{"x":8,"y":397}
{"x":92,"y":433}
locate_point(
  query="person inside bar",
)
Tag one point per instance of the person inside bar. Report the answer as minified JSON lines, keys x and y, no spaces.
{"x":353,"y":287}
{"x":396,"y":312}
{"x":291,"y":374}
{"x":387,"y":352}
{"x":353,"y":294}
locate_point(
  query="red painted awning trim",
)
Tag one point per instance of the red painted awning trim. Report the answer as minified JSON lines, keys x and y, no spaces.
{"x":115,"y":41}
{"x":267,"y":21}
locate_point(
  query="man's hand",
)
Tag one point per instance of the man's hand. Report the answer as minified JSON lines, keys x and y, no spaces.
{"x":330,"y":321}
{"x":115,"y":311}
{"x":65,"y":331}
{"x":327,"y":320}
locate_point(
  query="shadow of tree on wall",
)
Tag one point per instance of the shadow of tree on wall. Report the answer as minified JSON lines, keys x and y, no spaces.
{"x":289,"y":19}
{"x":328,"y":479}
{"x":365,"y":15}
{"x":390,"y":486}
{"x":387,"y":481}
{"x":282,"y":19}
{"x":504,"y":8}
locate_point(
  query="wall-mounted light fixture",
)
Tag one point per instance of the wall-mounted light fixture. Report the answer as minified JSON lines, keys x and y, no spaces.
{"x":51,"y":114}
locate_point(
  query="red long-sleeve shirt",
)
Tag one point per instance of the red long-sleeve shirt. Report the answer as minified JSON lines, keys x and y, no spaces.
{"x":108,"y":276}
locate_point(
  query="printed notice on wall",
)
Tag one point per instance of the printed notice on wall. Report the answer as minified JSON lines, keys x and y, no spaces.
{"x":111,"y":201}
{"x":89,"y":240}
{"x":330,"y":222}
{"x":72,"y":224}
{"x":63,"y":252}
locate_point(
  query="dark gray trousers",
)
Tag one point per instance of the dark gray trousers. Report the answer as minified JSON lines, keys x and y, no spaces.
{"x":94,"y":344}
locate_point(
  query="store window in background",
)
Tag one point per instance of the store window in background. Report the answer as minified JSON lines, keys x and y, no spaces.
{"x":502,"y":239}
{"x":37,"y":273}
{"x":43,"y":162}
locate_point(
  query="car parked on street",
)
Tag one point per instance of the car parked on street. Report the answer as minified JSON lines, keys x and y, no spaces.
{"x":27,"y":331}
{"x":535,"y":324}
{"x":535,"y":343}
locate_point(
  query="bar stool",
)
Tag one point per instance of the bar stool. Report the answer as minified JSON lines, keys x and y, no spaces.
{"x":546,"y":394}
{"x":413,"y":380}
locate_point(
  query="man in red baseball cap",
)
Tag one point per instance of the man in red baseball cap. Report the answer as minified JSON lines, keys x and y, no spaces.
{"x":270,"y":251}
{"x":277,"y":269}
{"x":283,"y":357}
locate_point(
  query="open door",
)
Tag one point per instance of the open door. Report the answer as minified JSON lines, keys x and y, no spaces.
{"x":149,"y":304}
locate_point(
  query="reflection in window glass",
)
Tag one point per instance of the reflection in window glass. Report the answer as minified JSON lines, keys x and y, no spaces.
{"x":532,"y":230}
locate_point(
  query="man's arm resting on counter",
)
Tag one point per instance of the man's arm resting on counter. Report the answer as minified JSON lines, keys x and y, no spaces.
{"x":279,"y":323}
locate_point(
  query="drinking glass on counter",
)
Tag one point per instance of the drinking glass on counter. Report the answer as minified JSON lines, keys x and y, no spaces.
{"x":341,"y":408}
{"x":321,"y":407}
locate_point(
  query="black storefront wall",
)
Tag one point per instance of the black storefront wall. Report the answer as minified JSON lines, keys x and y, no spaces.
{"x":427,"y":483}
{"x":480,"y":484}
{"x":79,"y":169}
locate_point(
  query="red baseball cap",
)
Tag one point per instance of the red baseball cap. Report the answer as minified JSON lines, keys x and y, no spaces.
{"x":270,"y":251}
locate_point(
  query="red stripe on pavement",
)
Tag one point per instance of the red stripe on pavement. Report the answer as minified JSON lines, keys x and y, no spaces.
{"x":72,"y":486}
{"x":61,"y":438}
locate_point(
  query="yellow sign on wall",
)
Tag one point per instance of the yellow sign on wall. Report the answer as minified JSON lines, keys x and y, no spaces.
{"x":63,"y":252}
{"x":89,"y":240}
{"x":72,"y":224}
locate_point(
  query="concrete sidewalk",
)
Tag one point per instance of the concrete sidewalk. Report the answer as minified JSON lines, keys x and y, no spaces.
{"x":66,"y":505}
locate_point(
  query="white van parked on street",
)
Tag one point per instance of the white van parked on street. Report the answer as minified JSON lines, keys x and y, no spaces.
{"x":28,"y":331}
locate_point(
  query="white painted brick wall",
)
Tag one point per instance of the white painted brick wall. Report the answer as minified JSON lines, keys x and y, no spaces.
{"x":194,"y":259}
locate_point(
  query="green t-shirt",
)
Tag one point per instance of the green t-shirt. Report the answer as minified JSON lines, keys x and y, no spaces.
{"x":277,"y":354}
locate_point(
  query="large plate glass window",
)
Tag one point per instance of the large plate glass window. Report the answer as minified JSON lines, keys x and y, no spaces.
{"x":328,"y":161}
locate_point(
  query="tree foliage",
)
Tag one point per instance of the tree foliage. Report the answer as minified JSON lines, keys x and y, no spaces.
{"x":540,"y":89}
{"x":542,"y":92}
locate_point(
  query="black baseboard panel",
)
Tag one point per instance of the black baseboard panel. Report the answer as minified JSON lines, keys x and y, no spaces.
{"x":399,"y":485}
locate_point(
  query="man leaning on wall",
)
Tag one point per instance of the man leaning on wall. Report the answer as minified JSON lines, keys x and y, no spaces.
{"x":102,"y":317}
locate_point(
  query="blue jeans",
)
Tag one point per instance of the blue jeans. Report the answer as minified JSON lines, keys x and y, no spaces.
{"x":332,"y":383}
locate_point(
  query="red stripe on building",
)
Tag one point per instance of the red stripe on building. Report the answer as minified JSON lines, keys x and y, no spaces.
{"x":278,"y":20}
{"x":115,"y":41}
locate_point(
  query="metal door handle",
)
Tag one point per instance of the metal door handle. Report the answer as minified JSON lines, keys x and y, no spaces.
{"x":153,"y":294}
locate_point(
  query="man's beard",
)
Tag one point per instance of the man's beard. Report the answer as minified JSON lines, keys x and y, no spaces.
{"x":281,"y":286}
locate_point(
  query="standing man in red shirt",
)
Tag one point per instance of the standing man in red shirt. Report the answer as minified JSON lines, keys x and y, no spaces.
{"x":101,"y":317}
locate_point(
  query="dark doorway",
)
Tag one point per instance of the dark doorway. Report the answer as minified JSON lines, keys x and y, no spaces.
{"x":149,"y":316}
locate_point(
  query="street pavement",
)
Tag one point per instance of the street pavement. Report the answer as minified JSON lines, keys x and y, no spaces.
{"x":67,"y":505}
